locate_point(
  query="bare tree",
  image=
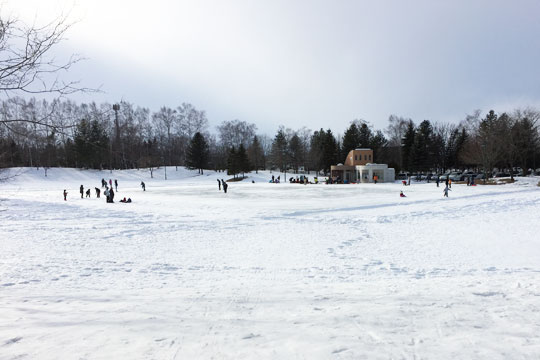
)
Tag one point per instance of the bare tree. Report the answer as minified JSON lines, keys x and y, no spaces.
{"x":236,"y":133}
{"x":27,"y":66}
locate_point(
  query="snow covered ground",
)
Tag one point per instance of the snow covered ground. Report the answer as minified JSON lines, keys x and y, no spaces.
{"x":279,"y":271}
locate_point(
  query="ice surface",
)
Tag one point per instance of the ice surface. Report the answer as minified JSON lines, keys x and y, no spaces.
{"x":281,"y":271}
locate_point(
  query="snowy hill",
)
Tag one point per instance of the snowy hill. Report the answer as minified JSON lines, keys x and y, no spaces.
{"x":267,"y":270}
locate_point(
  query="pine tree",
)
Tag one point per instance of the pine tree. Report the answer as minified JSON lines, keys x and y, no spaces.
{"x":330,"y":150}
{"x":232,"y":162}
{"x":197,"y":153}
{"x":279,"y":151}
{"x":242,"y":160}
{"x":422,"y":149}
{"x":351,"y":139}
{"x":407,"y":146}
{"x":295,"y":152}
{"x":256,"y":154}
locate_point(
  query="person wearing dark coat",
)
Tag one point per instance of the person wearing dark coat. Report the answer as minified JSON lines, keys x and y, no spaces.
{"x":103,"y":183}
{"x":111,"y":195}
{"x":81,"y":190}
{"x":65,"y":195}
{"x":88,"y":193}
{"x":225,"y":186}
{"x":98,"y":191}
{"x":143,"y":185}
{"x":116,"y":184}
{"x":219,"y":184}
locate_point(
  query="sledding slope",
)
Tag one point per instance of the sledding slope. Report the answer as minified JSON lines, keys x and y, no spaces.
{"x":267,"y":270}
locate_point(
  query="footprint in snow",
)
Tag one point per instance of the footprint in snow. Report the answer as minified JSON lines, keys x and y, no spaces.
{"x":13,"y":341}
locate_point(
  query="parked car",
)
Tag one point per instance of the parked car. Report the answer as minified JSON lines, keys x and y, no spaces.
{"x":479,"y":176}
{"x":402,"y":176}
{"x":467,"y":174}
{"x":455,"y":176}
{"x":501,"y":174}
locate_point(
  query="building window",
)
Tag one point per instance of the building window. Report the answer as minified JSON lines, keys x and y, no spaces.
{"x":365,"y":157}
{"x":370,"y":157}
{"x":355,"y":157}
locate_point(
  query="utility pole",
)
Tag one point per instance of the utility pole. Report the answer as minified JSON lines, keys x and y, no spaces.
{"x":116,"y":107}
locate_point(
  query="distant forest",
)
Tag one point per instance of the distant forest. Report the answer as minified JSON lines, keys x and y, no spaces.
{"x":62,"y":133}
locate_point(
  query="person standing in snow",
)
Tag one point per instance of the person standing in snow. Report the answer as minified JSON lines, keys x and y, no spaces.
{"x":437,"y":181}
{"x":111,"y":195}
{"x":103,"y":183}
{"x":116,"y":185}
{"x":106,"y":193}
{"x":450,"y":183}
{"x":88,"y":193}
{"x":65,"y":195}
{"x":143,"y":185}
{"x":225,"y":186}
{"x":445,"y":191}
{"x":81,"y":190}
{"x":219,"y":184}
{"x":110,"y":183}
{"x":98,"y":192}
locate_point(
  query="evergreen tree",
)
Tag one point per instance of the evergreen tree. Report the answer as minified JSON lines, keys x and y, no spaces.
{"x":242,"y":160}
{"x":295,"y":152}
{"x":279,"y":151}
{"x":378,"y":142}
{"x":233,"y":167}
{"x":365,"y":136}
{"x":422,"y":149}
{"x":330,"y":151}
{"x":407,"y":146}
{"x":316,"y":149}
{"x":256,"y":154}
{"x":197,"y":153}
{"x":351,"y":139}
{"x":91,"y":143}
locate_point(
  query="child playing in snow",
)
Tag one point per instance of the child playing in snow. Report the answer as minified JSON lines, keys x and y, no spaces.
{"x":401,"y":194}
{"x":446,"y":191}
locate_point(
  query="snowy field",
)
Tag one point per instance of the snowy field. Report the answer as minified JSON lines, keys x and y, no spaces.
{"x":266,"y":271}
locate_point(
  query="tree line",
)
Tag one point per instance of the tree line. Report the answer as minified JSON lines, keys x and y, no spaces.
{"x":63,"y":133}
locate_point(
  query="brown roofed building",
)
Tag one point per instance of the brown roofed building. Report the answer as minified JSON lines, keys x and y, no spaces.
{"x":359,"y":157}
{"x":359,"y":167}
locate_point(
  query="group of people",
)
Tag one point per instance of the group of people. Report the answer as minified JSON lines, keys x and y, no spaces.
{"x":222,"y":184}
{"x":445,"y":191}
{"x":302,"y":180}
{"x":109,"y":192}
{"x":276,"y":180}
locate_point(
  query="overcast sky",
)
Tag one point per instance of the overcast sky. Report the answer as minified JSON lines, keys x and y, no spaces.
{"x":305,"y":63}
